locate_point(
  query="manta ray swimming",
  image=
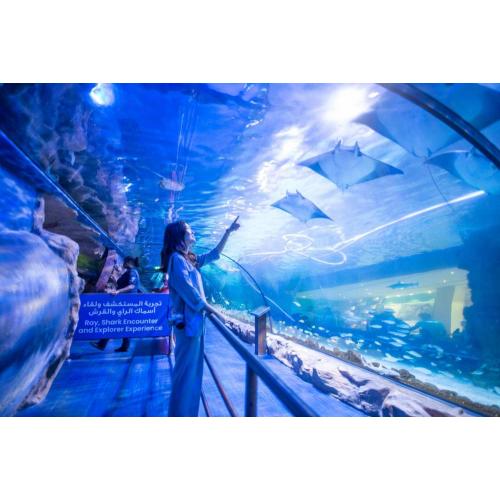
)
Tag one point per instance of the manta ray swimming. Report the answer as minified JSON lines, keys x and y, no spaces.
{"x":470,"y":166}
{"x":346,"y":166}
{"x":398,"y":119}
{"x":300,"y":207}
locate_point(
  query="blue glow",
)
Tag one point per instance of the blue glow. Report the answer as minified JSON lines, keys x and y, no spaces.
{"x":102,"y":94}
{"x":323,"y":259}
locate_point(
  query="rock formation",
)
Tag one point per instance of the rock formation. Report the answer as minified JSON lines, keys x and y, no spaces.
{"x":371,"y":391}
{"x":40,"y":287}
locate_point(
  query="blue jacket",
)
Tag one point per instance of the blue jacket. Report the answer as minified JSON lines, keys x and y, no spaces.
{"x":187,"y":296}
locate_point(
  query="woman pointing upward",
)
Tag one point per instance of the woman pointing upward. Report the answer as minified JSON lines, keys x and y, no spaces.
{"x":188,"y":309}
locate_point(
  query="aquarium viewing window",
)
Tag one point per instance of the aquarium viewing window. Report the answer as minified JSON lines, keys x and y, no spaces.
{"x":369,"y":213}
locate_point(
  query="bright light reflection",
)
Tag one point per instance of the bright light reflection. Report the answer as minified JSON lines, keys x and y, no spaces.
{"x":288,"y":144}
{"x":102,"y":94}
{"x":292,"y":131}
{"x":347,"y":104}
{"x":289,"y":147}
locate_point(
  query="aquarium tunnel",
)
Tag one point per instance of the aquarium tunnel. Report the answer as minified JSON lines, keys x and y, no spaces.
{"x":369,"y":238}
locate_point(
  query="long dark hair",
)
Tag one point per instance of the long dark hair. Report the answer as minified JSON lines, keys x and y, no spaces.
{"x":173,"y":241}
{"x":128,"y":261}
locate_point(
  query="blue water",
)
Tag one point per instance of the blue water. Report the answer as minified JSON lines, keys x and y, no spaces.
{"x":136,"y":156}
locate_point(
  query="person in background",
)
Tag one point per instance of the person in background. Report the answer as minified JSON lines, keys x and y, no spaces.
{"x":188,"y":309}
{"x":160,"y":281}
{"x":128,"y":282}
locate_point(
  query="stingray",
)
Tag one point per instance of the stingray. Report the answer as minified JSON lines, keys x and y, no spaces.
{"x":422,"y":134}
{"x":470,"y":166}
{"x":408,"y":125}
{"x":300,"y":207}
{"x":346,"y":166}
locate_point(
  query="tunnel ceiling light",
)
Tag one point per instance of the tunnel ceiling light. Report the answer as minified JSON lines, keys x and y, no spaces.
{"x":102,"y":94}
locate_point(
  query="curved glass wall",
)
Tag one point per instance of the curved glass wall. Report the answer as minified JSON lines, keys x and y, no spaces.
{"x":232,"y":289}
{"x":369,"y":224}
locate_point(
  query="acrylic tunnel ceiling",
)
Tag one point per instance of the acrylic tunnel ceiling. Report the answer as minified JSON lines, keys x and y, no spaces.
{"x":324,"y":177}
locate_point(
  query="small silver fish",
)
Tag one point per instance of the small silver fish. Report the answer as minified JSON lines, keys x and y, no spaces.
{"x":415,"y":354}
{"x":388,"y":357}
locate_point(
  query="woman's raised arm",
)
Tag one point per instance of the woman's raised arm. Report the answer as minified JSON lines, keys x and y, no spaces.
{"x":233,"y":227}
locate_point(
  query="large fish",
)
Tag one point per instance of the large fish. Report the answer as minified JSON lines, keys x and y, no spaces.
{"x":470,"y":166}
{"x":346,"y":166}
{"x":401,"y":285}
{"x":300,"y":207}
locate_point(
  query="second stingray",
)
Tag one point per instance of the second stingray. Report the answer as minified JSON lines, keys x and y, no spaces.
{"x":346,"y":166}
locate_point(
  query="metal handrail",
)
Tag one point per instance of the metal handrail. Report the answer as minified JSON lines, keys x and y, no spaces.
{"x":222,"y":392}
{"x":254,"y":281}
{"x":294,"y":404}
{"x":205,"y":404}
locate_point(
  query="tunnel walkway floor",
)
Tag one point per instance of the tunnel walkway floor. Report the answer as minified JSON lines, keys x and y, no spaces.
{"x":138,"y":383}
{"x":95,"y":383}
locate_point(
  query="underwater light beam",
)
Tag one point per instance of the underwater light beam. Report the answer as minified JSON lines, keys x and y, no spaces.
{"x":354,"y":239}
{"x":299,"y":248}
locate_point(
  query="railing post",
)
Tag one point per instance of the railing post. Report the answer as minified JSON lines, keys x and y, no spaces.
{"x":294,"y":404}
{"x":251,"y":393}
{"x":260,"y":329}
{"x":260,"y":349}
